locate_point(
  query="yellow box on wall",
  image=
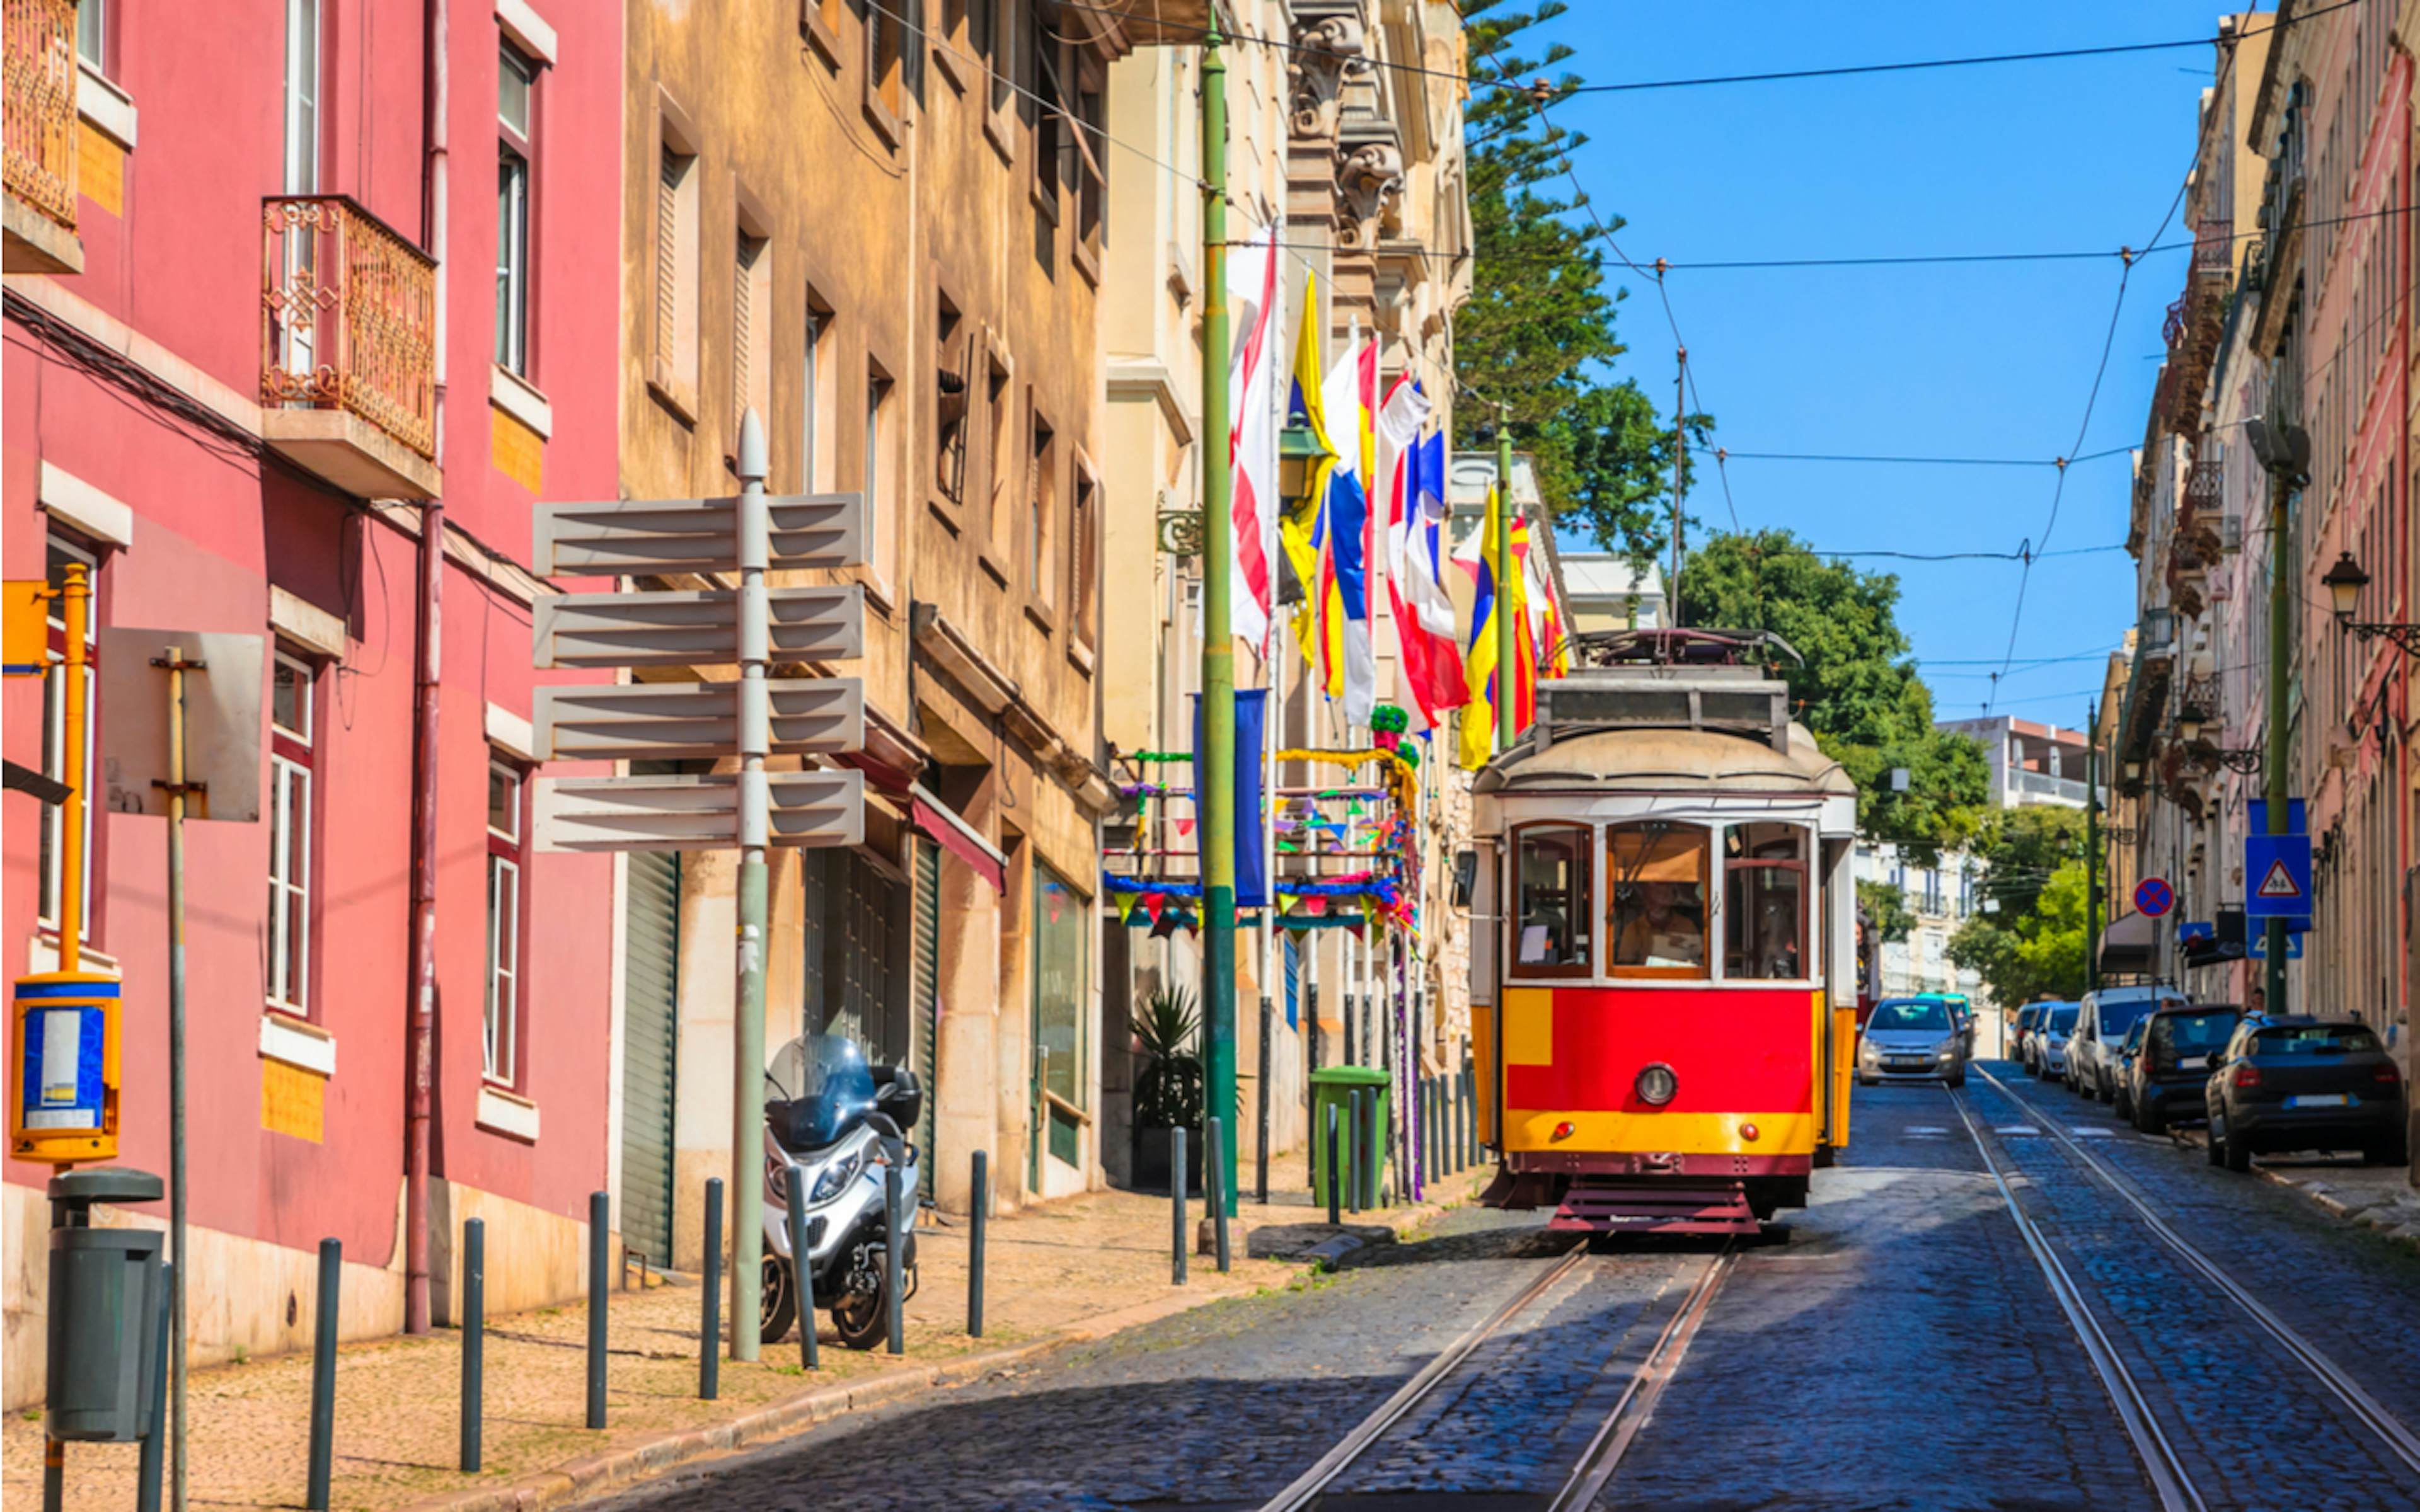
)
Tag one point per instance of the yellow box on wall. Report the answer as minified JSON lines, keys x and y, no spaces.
{"x":519,"y":451}
{"x":100,"y":169}
{"x":293,"y":1100}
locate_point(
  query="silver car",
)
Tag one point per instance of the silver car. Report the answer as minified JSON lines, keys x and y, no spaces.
{"x":2046,"y":1048}
{"x":1912,"y":1039}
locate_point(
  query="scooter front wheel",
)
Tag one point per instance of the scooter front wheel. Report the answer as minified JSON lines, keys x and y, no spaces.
{"x":858,"y":1316}
{"x":778,"y":1306}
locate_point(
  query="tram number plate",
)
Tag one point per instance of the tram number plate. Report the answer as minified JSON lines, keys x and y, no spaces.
{"x":2319,"y":1100}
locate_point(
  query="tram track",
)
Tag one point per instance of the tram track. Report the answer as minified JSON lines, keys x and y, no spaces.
{"x":2391,"y":1431}
{"x":1614,"y":1434}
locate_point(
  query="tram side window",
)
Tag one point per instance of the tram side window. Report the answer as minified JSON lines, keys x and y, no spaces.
{"x":1764,"y":902}
{"x":1556,"y":872}
{"x":1658,"y":872}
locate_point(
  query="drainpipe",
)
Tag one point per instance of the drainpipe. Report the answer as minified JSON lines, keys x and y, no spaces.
{"x":420,"y":1013}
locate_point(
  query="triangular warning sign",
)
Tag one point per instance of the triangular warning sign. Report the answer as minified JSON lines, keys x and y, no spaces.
{"x":2279,"y":883}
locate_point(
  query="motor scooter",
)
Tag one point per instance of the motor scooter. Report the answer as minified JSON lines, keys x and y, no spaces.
{"x":842,"y":1122}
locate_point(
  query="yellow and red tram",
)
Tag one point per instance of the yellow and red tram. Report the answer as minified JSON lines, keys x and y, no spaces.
{"x":1663,"y":942}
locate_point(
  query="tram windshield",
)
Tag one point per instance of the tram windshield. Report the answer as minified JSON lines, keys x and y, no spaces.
{"x":1764,"y":902}
{"x":1556,"y":868}
{"x":1658,"y":918}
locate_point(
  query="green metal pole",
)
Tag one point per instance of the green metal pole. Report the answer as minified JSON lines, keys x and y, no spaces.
{"x":1215,"y":763}
{"x":2092,"y":861}
{"x":2281,"y":634}
{"x":1505,"y":568}
{"x":748,"y":1026}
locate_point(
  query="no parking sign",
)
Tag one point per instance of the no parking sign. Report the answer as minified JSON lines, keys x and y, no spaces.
{"x":2153,"y":897}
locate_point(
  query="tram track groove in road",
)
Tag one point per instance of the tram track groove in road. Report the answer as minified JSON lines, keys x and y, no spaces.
{"x":2170,"y":1482}
{"x":1596,"y":1464}
{"x":2399,"y":1439}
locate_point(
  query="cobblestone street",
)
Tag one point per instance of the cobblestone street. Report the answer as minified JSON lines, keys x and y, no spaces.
{"x":1900,"y":1348}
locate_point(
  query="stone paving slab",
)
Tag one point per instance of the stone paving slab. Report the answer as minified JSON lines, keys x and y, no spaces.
{"x":1059,"y":1274}
{"x":2375,"y":1196}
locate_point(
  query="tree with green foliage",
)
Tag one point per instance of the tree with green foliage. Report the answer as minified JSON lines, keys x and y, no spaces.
{"x":1885,"y":905}
{"x":1854,"y":688}
{"x":2034,"y":943}
{"x":1537,"y":332}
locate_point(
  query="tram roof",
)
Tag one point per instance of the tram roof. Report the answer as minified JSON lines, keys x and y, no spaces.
{"x":1706,"y":762}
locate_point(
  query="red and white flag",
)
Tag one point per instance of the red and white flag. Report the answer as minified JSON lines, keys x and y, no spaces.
{"x":1253,"y":439}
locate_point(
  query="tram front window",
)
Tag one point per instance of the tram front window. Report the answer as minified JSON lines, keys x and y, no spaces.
{"x":1551,"y":935}
{"x":1658,"y":872}
{"x":1764,"y":902}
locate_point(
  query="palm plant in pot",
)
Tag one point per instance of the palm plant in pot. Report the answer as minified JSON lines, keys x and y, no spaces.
{"x":1167,"y":1091}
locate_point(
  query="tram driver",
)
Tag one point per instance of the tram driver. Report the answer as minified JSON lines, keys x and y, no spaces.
{"x":1659,"y":924}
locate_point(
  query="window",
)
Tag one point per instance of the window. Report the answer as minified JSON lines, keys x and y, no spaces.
{"x":1090,"y":143}
{"x":884,"y":67}
{"x":673,"y":372}
{"x":55,"y":732}
{"x":502,"y":1016}
{"x":993,"y":28}
{"x":1084,"y":527}
{"x":815,"y":402}
{"x":1657,"y":870}
{"x":954,"y":362}
{"x":880,"y":488}
{"x":1049,"y":140}
{"x":516,"y":85}
{"x":1062,"y":933}
{"x":999,"y":395}
{"x":752,"y":330}
{"x":293,"y":762}
{"x":301,"y":96}
{"x":92,"y":34}
{"x":1554,"y":877}
{"x":1764,"y":902}
{"x":1041,"y":492}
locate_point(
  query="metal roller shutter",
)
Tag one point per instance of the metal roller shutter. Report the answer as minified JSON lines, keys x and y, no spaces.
{"x":651,"y":1033}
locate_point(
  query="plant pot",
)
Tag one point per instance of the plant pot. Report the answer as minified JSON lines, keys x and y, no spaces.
{"x":1151,"y":1160}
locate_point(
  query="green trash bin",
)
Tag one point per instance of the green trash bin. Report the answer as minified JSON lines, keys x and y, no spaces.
{"x":1333,"y":1087}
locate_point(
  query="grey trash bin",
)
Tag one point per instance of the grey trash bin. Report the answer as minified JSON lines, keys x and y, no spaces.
{"x":104,"y":1298}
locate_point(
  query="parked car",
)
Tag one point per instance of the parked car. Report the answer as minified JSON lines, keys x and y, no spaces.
{"x":2162,"y":1083}
{"x":2047,"y":1048}
{"x":1911,"y":1039}
{"x":2297,"y":1082}
{"x":2093,"y":1050}
{"x":2128,"y":1049}
{"x":2021,"y":1028}
{"x":1962,"y":1012}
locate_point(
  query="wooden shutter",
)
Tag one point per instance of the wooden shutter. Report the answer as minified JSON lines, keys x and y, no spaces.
{"x":668,"y":181}
{"x":743,"y":340}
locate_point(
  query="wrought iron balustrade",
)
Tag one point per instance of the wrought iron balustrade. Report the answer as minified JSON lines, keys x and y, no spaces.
{"x":349,"y":317}
{"x":41,"y":73}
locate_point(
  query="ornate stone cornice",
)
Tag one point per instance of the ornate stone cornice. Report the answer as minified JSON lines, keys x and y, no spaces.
{"x":1368,"y":176}
{"x":1328,"y":49}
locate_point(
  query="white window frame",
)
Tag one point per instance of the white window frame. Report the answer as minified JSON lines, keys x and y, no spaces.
{"x":515,"y":191}
{"x":291,"y":834}
{"x":500,"y":1030}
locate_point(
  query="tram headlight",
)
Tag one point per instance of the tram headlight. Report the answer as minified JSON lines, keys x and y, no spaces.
{"x":1656,"y":1085}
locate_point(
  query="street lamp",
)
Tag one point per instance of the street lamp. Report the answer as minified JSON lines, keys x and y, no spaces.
{"x":2344,"y":582}
{"x":2134,"y":770}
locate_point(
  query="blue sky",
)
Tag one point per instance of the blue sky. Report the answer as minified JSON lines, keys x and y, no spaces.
{"x":1987,"y":359}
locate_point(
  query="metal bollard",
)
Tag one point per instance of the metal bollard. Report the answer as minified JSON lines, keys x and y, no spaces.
{"x":323,"y":1375}
{"x":598,"y":1275}
{"x":980,"y":1211}
{"x":1176,"y":1185}
{"x":1374,"y":1141}
{"x":709,"y":1323}
{"x":1217,"y":1179}
{"x":802,"y":1266}
{"x":474,"y":1337}
{"x":1334,"y":1168}
{"x":895,"y":1254}
{"x":155,"y":1436}
{"x":1350,"y":1174}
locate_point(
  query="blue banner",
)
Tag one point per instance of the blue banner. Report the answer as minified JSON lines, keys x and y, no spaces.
{"x":1251,"y":859}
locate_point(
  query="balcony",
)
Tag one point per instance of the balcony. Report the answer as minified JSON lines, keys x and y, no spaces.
{"x":348,"y":348}
{"x":2041,"y":787}
{"x":40,"y":71}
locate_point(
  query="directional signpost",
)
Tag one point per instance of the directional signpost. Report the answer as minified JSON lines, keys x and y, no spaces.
{"x":748,"y":719}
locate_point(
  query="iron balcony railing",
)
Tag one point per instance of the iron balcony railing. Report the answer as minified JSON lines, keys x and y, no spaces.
{"x":41,"y":73}
{"x":2044,"y":786}
{"x":349,"y":317}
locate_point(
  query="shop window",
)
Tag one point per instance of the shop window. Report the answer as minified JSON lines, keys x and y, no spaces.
{"x":293,"y":829}
{"x":1657,"y":870}
{"x":1556,"y":874}
{"x":1062,"y":933}
{"x":1764,"y":902}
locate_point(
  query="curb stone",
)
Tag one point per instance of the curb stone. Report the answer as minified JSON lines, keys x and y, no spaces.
{"x":590,"y":1476}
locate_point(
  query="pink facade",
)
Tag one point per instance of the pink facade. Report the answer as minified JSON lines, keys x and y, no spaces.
{"x":135,"y":430}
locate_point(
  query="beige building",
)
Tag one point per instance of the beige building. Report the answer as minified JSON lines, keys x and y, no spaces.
{"x":905,"y":280}
{"x":1358,"y":164}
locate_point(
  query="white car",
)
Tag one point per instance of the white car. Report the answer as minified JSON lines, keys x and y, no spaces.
{"x":2046,"y":1048}
{"x":2092,"y":1062}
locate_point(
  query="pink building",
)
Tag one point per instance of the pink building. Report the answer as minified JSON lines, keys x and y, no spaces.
{"x":310,"y":300}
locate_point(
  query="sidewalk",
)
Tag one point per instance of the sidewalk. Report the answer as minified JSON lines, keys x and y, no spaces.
{"x":1056,"y":1275}
{"x":2374,"y":1196}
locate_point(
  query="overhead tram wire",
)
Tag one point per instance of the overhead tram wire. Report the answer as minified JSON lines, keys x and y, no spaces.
{"x":1250,"y":39}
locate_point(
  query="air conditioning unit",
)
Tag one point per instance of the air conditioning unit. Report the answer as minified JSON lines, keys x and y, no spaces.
{"x":2230,"y":535}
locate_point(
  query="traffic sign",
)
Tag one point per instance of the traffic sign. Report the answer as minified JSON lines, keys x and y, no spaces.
{"x":2256,"y":817}
{"x":2259,"y":947}
{"x":697,"y":813}
{"x":654,"y":536}
{"x":695,"y":628}
{"x":671,"y":721}
{"x":2153,"y":897}
{"x":2276,"y":876}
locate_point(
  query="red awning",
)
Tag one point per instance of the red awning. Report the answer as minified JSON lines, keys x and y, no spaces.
{"x":958,"y":836}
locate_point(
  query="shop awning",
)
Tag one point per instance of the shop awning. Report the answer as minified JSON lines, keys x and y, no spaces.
{"x":2129,"y":944}
{"x":958,"y":836}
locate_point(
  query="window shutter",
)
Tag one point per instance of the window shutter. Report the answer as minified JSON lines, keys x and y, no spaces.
{"x":667,"y":255}
{"x":742,"y":318}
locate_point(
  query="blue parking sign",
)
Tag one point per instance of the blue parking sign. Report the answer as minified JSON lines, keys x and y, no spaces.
{"x":2276,"y":876}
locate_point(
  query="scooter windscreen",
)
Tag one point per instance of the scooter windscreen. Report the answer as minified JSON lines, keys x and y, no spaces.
{"x":816,"y":1091}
